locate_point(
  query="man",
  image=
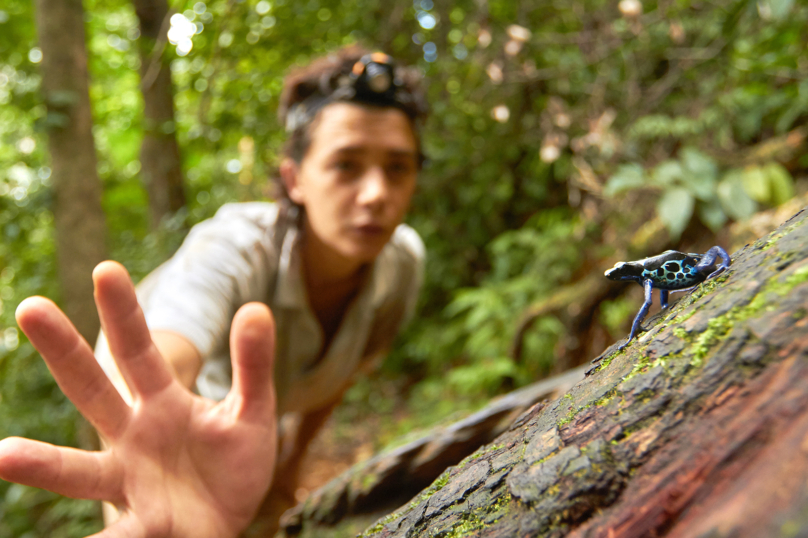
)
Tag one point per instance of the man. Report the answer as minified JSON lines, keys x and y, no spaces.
{"x":333,"y":262}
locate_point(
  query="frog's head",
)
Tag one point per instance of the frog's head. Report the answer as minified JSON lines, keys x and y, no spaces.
{"x":625,"y":271}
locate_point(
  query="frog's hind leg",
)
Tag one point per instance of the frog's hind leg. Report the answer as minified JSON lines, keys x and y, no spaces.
{"x":709,"y":259}
{"x":649,"y":288}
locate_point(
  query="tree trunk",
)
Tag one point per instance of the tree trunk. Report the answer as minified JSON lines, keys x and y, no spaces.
{"x":160,"y":164}
{"x":78,"y":216}
{"x":699,"y":428}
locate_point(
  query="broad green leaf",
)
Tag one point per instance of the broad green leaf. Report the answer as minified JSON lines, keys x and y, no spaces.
{"x":756,"y":184}
{"x":698,"y":164}
{"x":627,"y":176}
{"x":700,"y":173}
{"x":781,"y":184}
{"x":668,"y":172}
{"x":712,"y":214}
{"x":675,"y":209}
{"x":733,"y":197}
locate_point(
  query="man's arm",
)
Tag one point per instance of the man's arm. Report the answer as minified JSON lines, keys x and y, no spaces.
{"x":180,"y":354}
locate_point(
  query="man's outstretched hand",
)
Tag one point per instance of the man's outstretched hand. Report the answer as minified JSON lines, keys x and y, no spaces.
{"x":177,"y":465}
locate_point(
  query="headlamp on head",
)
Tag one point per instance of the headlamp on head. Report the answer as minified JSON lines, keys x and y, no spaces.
{"x":374,"y":76}
{"x":372,"y":80}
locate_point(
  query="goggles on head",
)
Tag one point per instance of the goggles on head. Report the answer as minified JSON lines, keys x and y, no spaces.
{"x":372,"y":80}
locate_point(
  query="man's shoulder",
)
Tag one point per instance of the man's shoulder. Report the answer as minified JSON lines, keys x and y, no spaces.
{"x":406,"y":241}
{"x":237,"y":224}
{"x":261,"y":214}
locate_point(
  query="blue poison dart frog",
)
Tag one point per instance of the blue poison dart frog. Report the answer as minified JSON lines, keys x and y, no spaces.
{"x":670,"y":271}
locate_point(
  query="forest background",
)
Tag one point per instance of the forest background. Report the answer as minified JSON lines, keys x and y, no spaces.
{"x":565,"y":136}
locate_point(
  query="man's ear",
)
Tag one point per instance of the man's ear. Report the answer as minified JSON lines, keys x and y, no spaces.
{"x":289,"y":170}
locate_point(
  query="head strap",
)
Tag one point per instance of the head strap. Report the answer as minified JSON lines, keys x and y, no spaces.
{"x":372,"y":80}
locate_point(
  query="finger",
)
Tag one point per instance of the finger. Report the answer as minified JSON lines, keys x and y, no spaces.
{"x":66,"y":471}
{"x":72,"y":364}
{"x":140,"y":363}
{"x":252,"y":346}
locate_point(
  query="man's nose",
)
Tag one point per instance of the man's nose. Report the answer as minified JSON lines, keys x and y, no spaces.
{"x":374,"y":188}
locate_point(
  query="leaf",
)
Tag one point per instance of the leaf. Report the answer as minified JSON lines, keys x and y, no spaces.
{"x":699,"y":164}
{"x":668,"y":172}
{"x":712,"y":214}
{"x":734,"y":199}
{"x":756,"y":184}
{"x":781,"y":184}
{"x":627,"y":176}
{"x":700,"y":173}
{"x":675,"y":209}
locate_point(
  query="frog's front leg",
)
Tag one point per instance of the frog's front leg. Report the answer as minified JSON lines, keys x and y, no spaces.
{"x":663,"y":298}
{"x":649,"y":288}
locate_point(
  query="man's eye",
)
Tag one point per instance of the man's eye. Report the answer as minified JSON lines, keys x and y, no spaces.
{"x":345,"y":166}
{"x":400,"y":168}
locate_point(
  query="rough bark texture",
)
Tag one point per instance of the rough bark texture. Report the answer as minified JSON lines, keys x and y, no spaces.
{"x":161,"y":168}
{"x":699,"y":428}
{"x":78,"y":216}
{"x":394,"y":476}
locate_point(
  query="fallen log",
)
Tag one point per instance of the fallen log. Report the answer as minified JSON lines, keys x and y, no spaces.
{"x":699,"y":428}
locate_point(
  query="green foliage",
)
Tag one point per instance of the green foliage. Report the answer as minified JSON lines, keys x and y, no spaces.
{"x":527,"y":264}
{"x":614,"y":313}
{"x":533,"y":106}
{"x":692,"y":183}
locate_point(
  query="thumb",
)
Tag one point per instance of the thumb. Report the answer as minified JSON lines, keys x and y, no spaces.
{"x":252,"y":347}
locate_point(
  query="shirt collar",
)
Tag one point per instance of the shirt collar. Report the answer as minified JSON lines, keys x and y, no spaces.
{"x":290,"y":291}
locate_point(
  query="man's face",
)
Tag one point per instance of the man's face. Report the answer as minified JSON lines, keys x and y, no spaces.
{"x":357,"y":178}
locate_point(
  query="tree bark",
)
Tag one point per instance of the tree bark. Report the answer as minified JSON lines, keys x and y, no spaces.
{"x":160,"y":163}
{"x":78,"y":216}
{"x":699,"y":428}
{"x":395,"y":475}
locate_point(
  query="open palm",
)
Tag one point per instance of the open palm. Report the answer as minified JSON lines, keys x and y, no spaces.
{"x":177,"y":465}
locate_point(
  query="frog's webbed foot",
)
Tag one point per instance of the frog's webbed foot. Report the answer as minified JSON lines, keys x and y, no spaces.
{"x":720,"y":270}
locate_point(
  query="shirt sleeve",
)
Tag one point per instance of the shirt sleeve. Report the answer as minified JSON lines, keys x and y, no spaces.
{"x":223,"y":263}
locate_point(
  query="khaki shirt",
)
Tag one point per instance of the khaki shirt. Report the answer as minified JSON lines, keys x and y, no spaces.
{"x":231,"y":260}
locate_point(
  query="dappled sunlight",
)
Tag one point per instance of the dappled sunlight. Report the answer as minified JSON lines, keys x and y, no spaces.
{"x":563,"y":137}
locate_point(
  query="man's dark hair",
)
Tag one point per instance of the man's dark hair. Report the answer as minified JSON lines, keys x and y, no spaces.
{"x":306,"y":84}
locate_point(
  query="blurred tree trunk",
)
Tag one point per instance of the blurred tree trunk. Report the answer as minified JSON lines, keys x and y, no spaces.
{"x":79,"y":218}
{"x":160,"y":162}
